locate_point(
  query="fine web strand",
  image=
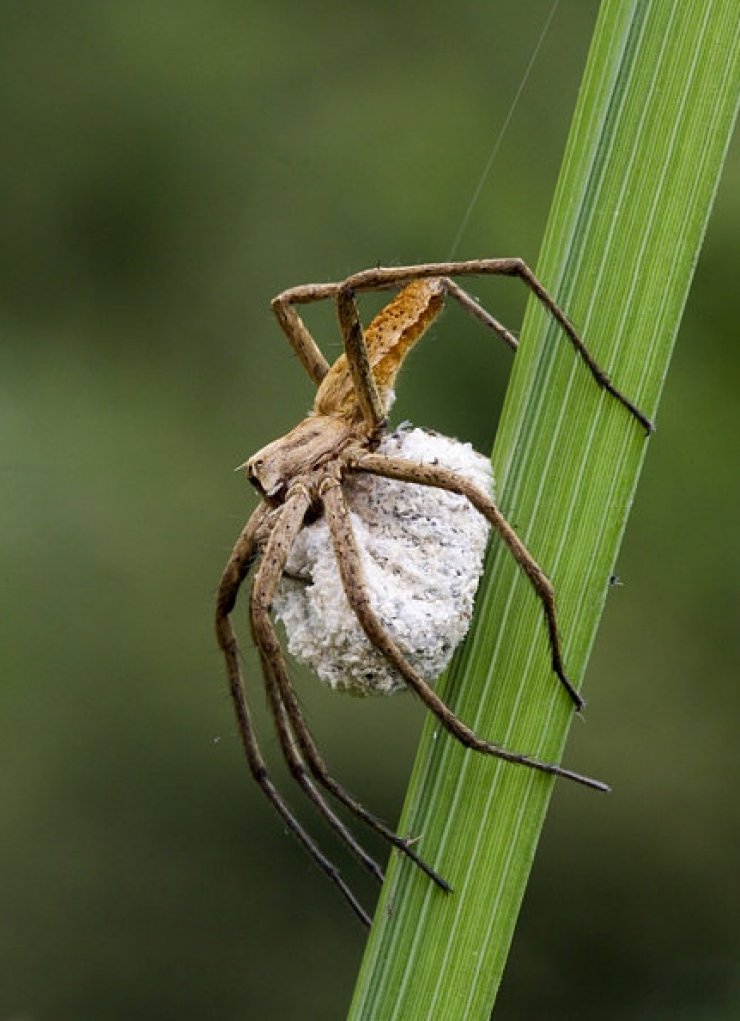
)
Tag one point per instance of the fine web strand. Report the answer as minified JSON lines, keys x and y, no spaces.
{"x":502,"y":132}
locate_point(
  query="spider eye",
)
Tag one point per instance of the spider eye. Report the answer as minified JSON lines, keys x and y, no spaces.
{"x":267,"y":483}
{"x":252,"y":470}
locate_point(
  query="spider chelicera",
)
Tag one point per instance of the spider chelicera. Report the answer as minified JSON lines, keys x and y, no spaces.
{"x":300,"y":477}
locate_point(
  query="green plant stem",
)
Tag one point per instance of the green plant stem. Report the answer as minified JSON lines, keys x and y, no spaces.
{"x":650,"y":131}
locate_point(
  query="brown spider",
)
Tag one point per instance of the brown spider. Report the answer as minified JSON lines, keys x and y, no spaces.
{"x":300,"y":476}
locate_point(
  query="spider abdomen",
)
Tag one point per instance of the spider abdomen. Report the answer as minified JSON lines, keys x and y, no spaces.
{"x":388,"y":339}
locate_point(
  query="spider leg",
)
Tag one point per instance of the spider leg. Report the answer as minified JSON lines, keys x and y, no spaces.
{"x":353,"y":580}
{"x":291,"y":753}
{"x":239,"y":562}
{"x":290,"y":724}
{"x":383,"y":277}
{"x":446,"y":478}
{"x":289,"y":721}
{"x":358,"y":359}
{"x":301,"y":341}
{"x":319,"y":770}
{"x":277,"y":682}
{"x":476,"y":310}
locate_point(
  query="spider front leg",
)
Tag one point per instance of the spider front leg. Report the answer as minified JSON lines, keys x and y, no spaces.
{"x":295,"y":738}
{"x":355,"y":587}
{"x":285,"y":726}
{"x":281,"y":696}
{"x":323,"y":776}
{"x":236,"y":569}
{"x":446,"y":478}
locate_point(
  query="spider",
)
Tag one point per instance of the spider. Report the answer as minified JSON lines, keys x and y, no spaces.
{"x":300,"y":477}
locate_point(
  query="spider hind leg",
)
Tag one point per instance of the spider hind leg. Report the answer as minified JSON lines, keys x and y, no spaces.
{"x":383,"y":277}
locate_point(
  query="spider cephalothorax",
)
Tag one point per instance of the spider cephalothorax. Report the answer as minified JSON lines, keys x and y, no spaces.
{"x":302,"y":476}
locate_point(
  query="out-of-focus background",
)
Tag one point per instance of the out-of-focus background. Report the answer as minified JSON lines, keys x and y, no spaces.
{"x":166,"y":169}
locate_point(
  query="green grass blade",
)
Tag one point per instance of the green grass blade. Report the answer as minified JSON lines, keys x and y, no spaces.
{"x":650,"y":131}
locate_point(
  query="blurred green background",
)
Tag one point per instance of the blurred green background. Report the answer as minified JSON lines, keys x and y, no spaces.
{"x":166,"y":169}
